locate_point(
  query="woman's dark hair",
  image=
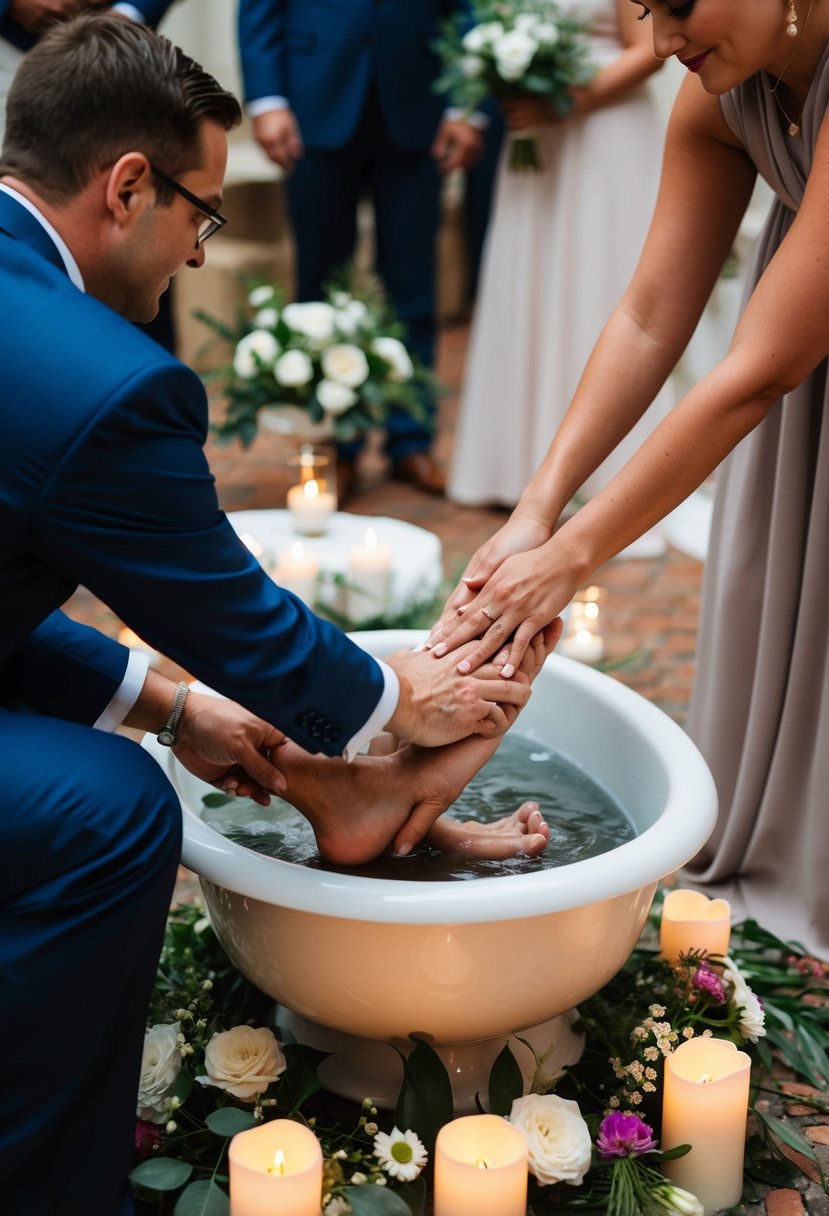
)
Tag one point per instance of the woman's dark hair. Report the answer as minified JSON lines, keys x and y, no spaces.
{"x":98,"y":86}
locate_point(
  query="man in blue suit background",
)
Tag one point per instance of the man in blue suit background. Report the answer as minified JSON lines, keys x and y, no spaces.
{"x":110,"y":179}
{"x":341,"y":98}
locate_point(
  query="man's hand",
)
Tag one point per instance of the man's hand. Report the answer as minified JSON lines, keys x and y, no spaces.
{"x":230,"y":748}
{"x":35,"y":15}
{"x":277,"y":133}
{"x":457,"y":145}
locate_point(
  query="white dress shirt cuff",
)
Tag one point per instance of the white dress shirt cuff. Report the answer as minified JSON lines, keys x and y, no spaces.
{"x":263,"y":104}
{"x":127,"y":693}
{"x":383,"y":711}
{"x":476,"y":119}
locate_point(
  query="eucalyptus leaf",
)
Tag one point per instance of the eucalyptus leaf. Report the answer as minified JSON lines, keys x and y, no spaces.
{"x":505,"y":1082}
{"x":216,"y":799}
{"x":202,"y":1199}
{"x":425,"y":1100}
{"x":161,"y":1174}
{"x":228,"y":1121}
{"x":367,"y":1200}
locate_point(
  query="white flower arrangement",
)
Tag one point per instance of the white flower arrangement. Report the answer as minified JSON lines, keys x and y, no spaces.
{"x":341,"y":362}
{"x":243,"y":1061}
{"x":558,"y":1140}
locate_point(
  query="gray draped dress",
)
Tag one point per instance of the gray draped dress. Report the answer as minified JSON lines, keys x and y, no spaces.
{"x":760,"y":709}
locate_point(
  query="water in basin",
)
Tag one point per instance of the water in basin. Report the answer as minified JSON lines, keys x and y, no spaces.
{"x":584,"y":818}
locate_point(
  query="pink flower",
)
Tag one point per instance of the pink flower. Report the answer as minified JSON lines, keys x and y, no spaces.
{"x":707,"y":980}
{"x":624,"y":1136}
{"x":147,"y":1138}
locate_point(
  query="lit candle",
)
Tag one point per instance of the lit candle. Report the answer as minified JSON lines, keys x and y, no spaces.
{"x":705,"y":1104}
{"x":480,"y":1167}
{"x":297,"y":571}
{"x":691,"y":921}
{"x":583,"y":644}
{"x":310,"y":507}
{"x":369,"y":576}
{"x":276,"y":1167}
{"x":127,"y":638}
{"x":252,"y":544}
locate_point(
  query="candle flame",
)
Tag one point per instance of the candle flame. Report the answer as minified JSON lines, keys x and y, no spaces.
{"x":371,"y":540}
{"x":278,"y":1166}
{"x":482,"y":1164}
{"x":297,"y":551}
{"x":583,"y":636}
{"x":311,"y":488}
{"x":591,"y":609}
{"x":251,"y":543}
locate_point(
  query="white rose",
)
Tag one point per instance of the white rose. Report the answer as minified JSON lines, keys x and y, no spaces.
{"x":394,"y":353}
{"x":335,"y":398}
{"x":315,"y":320}
{"x":345,"y":364}
{"x":526,"y":22}
{"x":350,"y":316}
{"x":472,"y":66}
{"x":752,"y":1016}
{"x":160,"y":1066}
{"x":546,"y":34}
{"x":260,"y":296}
{"x":557,"y":1138}
{"x":266,"y":318}
{"x":243,"y":1061}
{"x":255,"y":350}
{"x":513,"y":54}
{"x":482,"y":36}
{"x":294,"y":369}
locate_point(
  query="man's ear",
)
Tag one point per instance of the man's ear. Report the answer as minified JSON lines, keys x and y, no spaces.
{"x":130,"y":188}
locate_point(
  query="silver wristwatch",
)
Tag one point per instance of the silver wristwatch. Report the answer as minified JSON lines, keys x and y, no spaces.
{"x":167,"y":734}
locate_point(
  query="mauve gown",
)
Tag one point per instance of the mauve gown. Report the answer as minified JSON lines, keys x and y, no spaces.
{"x":760,"y":709}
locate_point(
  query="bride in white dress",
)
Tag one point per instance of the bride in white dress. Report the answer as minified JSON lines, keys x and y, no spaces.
{"x":561,"y":247}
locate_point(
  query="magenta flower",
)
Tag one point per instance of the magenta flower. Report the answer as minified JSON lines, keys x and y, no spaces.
{"x":624,"y":1136}
{"x":707,"y":980}
{"x":147,"y":1138}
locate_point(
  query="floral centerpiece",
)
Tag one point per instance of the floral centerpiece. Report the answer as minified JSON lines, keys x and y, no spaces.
{"x":216,"y":1064}
{"x":331,"y":367}
{"x":513,"y":48}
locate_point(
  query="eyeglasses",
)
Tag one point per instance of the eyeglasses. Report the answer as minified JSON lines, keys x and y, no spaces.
{"x":213,"y":221}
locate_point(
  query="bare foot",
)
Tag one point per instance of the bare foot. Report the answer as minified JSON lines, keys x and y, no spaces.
{"x":521,"y":834}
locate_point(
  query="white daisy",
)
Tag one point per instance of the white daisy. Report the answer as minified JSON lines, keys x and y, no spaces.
{"x":401,"y":1154}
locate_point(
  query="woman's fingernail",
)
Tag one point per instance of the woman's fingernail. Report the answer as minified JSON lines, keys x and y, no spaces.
{"x":440,"y":650}
{"x":508,"y":671}
{"x":404,"y":850}
{"x":501,"y":659}
{"x":463,"y":666}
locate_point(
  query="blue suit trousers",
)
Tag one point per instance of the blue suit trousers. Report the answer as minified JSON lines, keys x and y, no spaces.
{"x":90,"y":839}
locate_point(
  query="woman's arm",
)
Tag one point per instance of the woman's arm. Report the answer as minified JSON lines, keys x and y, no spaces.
{"x":636,"y":62}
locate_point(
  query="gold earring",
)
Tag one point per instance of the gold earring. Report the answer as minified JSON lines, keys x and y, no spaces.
{"x":791,"y":20}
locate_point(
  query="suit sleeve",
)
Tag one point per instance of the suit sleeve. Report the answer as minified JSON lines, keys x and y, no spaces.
{"x":152,"y":10}
{"x":65,"y":670}
{"x":132,"y":512}
{"x":262,"y":28}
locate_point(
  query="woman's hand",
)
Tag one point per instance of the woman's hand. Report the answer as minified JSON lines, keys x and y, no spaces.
{"x":527,"y":113}
{"x":519,"y":533}
{"x":525,"y":595}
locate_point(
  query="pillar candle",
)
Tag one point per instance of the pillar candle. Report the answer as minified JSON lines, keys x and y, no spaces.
{"x":692,"y":921}
{"x":480,"y":1167}
{"x":276,"y":1167}
{"x":369,"y":577}
{"x":297,"y":571}
{"x":705,"y":1104}
{"x":310,"y":507}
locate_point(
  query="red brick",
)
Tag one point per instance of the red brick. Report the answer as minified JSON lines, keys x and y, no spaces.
{"x":784,"y":1203}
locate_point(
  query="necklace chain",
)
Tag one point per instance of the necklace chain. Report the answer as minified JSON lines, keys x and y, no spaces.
{"x":794,"y":123}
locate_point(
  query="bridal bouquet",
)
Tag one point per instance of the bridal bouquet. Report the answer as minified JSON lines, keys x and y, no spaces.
{"x":331,"y":367}
{"x":514,"y":48}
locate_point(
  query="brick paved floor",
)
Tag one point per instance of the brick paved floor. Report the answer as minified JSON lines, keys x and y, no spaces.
{"x":651,"y":613}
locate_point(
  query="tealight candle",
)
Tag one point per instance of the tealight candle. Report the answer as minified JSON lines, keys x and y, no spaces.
{"x":297,"y":571}
{"x":369,"y":576}
{"x":705,"y":1104}
{"x":480,"y":1167}
{"x":252,"y":544}
{"x":582,"y":639}
{"x":583,"y":644}
{"x":310,"y":507}
{"x":276,"y":1167}
{"x":128,"y":638}
{"x":693,"y":922}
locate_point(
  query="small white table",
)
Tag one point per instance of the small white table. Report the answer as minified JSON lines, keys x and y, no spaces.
{"x":416,"y":556}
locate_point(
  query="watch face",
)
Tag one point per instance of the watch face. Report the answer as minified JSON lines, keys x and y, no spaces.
{"x":166,"y":737}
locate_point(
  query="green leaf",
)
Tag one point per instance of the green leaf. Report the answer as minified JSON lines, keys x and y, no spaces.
{"x":505,"y":1082}
{"x":299,"y":1080}
{"x":228,"y":1121}
{"x":216,"y":799}
{"x":415,"y":1195}
{"x":368,"y":1200}
{"x":203,"y":1199}
{"x":425,"y":1100}
{"x":161,"y":1174}
{"x":789,"y":1135}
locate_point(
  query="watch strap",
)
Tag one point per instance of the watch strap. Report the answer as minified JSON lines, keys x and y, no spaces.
{"x":167,"y":734}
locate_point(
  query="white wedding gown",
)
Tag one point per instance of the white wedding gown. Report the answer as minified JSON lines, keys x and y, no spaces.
{"x":561,"y":246}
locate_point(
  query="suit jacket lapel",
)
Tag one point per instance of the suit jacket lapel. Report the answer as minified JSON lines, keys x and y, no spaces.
{"x":21,"y":225}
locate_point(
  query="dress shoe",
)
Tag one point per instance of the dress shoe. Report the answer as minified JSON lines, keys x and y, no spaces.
{"x":346,"y":481}
{"x":418,"y":469}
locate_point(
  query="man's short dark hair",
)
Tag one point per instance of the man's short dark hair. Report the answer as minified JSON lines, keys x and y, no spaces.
{"x":98,"y":86}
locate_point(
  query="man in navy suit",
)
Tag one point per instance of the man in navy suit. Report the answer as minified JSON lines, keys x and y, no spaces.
{"x":341,"y":98}
{"x":110,"y":179}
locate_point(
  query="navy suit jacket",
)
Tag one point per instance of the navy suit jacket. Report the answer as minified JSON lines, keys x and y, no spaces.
{"x":323,"y":55}
{"x":104,"y":483}
{"x":151,"y":10}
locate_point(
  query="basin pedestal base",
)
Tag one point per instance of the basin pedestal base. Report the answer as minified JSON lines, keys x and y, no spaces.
{"x":366,"y":1068}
